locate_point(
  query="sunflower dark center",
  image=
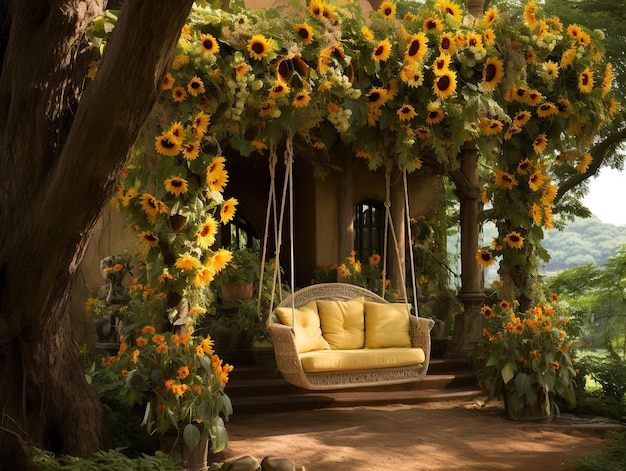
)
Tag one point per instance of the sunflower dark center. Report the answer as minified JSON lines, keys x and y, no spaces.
{"x":379,"y":51}
{"x":441,"y":64}
{"x":445,"y":43}
{"x":585,"y":79}
{"x":303,"y":33}
{"x":472,"y":42}
{"x":176,"y":183}
{"x":507,"y":178}
{"x":374,"y":97}
{"x":258,"y":48}
{"x":195,"y":85}
{"x":514,"y":238}
{"x":207,"y":44}
{"x":521,"y":92}
{"x":388,"y":11}
{"x":490,"y":72}
{"x":443,"y":83}
{"x":278,"y":89}
{"x":534,"y":96}
{"x":494,"y":125}
{"x":204,"y":231}
{"x":433,"y":114}
{"x":431,"y":24}
{"x":167,"y":143}
{"x":486,"y":256}
{"x":414,"y":47}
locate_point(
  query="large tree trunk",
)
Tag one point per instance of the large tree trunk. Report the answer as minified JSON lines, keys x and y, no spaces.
{"x":61,"y":152}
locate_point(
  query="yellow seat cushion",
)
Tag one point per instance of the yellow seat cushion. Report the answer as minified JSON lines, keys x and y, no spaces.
{"x":308,"y":334}
{"x":364,"y":359}
{"x":343,"y":323}
{"x":386,"y":325}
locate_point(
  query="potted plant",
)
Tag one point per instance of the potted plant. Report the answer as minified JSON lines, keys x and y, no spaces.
{"x":238,"y":278}
{"x":525,"y":358}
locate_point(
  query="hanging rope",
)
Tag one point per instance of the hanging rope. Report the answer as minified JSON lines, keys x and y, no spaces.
{"x":271,"y":207}
{"x":410,"y":238}
{"x":389,"y":220}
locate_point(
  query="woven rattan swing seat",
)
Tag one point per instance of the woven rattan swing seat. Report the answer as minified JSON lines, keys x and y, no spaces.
{"x":289,"y":363}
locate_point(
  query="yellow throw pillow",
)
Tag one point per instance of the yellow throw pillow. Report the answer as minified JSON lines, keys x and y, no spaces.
{"x":386,"y":325}
{"x":343,"y":324}
{"x":308,"y":335}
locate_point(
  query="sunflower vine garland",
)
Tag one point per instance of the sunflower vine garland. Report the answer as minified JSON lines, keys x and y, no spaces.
{"x":409,"y":84}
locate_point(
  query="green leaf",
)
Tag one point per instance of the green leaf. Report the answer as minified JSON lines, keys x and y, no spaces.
{"x":522,"y":383}
{"x":508,"y":372}
{"x":191,"y":436}
{"x":219,"y":436}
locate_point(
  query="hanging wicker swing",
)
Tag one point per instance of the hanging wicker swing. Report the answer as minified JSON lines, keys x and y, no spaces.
{"x":289,"y":355}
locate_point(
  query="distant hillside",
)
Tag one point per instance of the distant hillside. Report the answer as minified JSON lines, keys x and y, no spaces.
{"x":582,"y":242}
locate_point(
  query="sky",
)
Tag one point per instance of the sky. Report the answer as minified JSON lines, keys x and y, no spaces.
{"x":607,"y":196}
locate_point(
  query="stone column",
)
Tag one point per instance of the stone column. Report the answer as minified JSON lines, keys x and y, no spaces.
{"x":468,"y":324}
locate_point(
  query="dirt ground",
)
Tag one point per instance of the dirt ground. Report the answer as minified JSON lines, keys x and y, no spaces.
{"x":449,"y":435}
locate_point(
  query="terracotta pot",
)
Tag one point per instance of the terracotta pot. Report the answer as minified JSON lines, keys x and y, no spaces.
{"x":234,"y":291}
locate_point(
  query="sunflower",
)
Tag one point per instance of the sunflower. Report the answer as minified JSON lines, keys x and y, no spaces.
{"x":573,"y":31}
{"x":200,"y":124}
{"x":447,"y":43}
{"x":241,"y":69}
{"x":537,"y":180}
{"x":521,"y":118}
{"x":279,"y":89}
{"x":585,"y":80}
{"x":441,"y":64}
{"x":525,"y":166}
{"x":412,"y":75}
{"x":301,"y":99}
{"x":533,"y":97}
{"x":485,"y":258}
{"x":416,"y":47}
{"x":568,"y":57}
{"x":319,"y":9}
{"x":444,"y":85}
{"x":548,"y":194}
{"x":514,"y":239}
{"x":536,"y":214}
{"x":367,"y":33}
{"x":530,"y":56}
{"x":547,"y":215}
{"x":406,"y":112}
{"x":487,"y":311}
{"x":167,"y":144}
{"x":259,"y":47}
{"x":208,"y":44}
{"x":152,"y":207}
{"x":205,"y":235}
{"x":387,"y":9}
{"x":203,"y":277}
{"x":563,"y":105}
{"x":490,"y":16}
{"x":376,"y":97}
{"x":179,"y":94}
{"x":530,"y":13}
{"x":423,"y":132}
{"x":304,"y":32}
{"x":474,"y":40}
{"x":168,"y":82}
{"x":550,"y":70}
{"x":149,"y":238}
{"x":179,"y":61}
{"x":191,"y":150}
{"x":361,"y":154}
{"x":490,"y":126}
{"x":540,"y":143}
{"x":608,"y":77}
{"x":195,"y":86}
{"x":220,"y":259}
{"x":382,"y":51}
{"x":505,"y":180}
{"x":489,"y":37}
{"x":267,"y":108}
{"x":215,"y":167}
{"x":176,"y":186}
{"x":227,"y":211}
{"x":185,"y":262}
{"x":493,"y":71}
{"x":449,"y":8}
{"x":583,"y":165}
{"x":614,"y":107}
{"x":432,"y":24}
{"x":435,"y":116}
{"x":547,"y":109}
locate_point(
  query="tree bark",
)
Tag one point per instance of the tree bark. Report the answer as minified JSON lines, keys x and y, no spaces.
{"x":62,"y":148}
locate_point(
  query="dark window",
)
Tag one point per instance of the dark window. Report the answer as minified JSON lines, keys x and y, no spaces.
{"x":241,"y":234}
{"x":369,"y":227}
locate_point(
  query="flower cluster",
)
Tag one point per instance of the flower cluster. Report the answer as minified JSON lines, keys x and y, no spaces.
{"x":177,"y":376}
{"x":523,"y":353}
{"x":369,"y":275}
